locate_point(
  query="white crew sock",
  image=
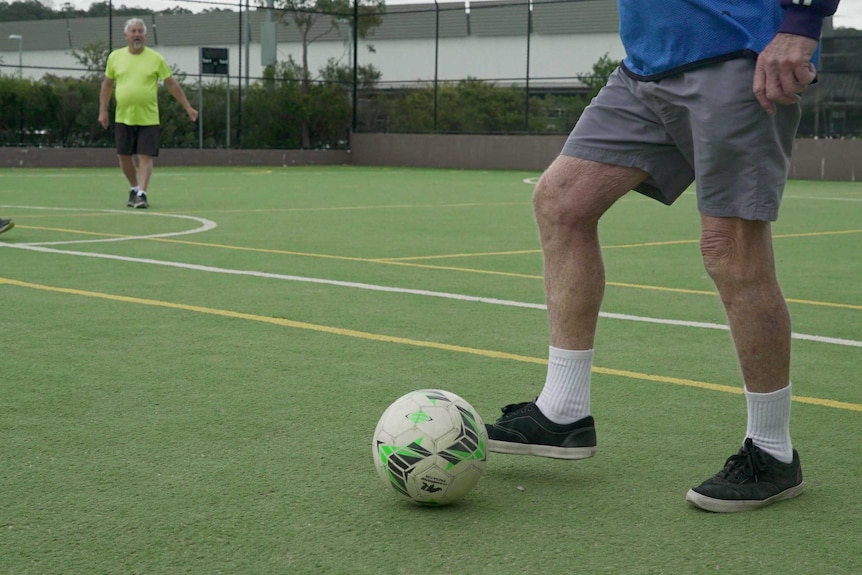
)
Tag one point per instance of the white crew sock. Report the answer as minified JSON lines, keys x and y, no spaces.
{"x":141,"y":192}
{"x":136,"y":189}
{"x":769,"y":422}
{"x":566,"y":395}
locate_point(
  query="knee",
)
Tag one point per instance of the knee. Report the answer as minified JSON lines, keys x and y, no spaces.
{"x":575,"y":193}
{"x":557,"y":201}
{"x":736,"y":254}
{"x":717,"y":247}
{"x":546,"y":197}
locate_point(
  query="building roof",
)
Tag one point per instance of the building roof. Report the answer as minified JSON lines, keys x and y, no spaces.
{"x":415,"y":21}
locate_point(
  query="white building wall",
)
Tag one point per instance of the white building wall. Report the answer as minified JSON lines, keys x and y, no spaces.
{"x":485,"y":58}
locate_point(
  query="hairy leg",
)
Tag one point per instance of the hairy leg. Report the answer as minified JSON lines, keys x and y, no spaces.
{"x":738,"y":256}
{"x":145,"y":170}
{"x":568,"y":202}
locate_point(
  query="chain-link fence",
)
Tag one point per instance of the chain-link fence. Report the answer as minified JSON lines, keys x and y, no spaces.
{"x":299,"y":77}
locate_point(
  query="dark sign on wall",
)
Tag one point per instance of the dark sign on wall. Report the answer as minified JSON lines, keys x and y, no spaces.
{"x":214,"y":61}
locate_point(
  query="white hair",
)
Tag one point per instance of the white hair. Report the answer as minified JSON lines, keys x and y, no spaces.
{"x":132,"y":21}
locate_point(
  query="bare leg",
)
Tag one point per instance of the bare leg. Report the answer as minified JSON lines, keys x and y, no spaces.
{"x":569,"y":200}
{"x":127,"y":164}
{"x":145,"y":170}
{"x":738,"y":256}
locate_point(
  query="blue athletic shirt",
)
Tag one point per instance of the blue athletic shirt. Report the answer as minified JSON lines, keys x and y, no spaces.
{"x":665,"y":37}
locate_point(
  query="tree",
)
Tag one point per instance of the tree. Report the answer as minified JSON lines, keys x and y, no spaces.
{"x":94,"y":57}
{"x":176,"y":10}
{"x":37,"y":10}
{"x":599,"y":77}
{"x":327,"y":16}
{"x":25,"y":10}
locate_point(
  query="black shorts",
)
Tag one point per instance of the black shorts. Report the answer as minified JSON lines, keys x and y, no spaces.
{"x":136,"y":140}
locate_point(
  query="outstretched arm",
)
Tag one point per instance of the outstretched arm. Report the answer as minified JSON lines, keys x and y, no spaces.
{"x":177,"y":92}
{"x":784,"y":68}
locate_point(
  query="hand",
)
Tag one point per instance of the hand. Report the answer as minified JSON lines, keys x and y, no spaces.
{"x":784,"y":70}
{"x":103,"y":119}
{"x":193,"y":114}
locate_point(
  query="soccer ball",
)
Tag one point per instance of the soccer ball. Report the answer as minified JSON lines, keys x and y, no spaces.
{"x":430,"y":447}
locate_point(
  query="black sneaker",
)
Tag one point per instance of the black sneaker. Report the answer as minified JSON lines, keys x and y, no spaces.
{"x":750,"y":479}
{"x":133,"y":197}
{"x":6,"y":225}
{"x":524,"y":430}
{"x":141,"y":201}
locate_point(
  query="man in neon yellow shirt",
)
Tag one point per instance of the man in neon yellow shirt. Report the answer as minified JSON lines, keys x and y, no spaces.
{"x":135,"y":72}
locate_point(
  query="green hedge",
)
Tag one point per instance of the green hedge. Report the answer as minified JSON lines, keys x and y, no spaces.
{"x":280,"y":113}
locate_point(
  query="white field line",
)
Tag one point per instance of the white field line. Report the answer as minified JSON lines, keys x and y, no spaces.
{"x":389,"y":289}
{"x":205,"y":225}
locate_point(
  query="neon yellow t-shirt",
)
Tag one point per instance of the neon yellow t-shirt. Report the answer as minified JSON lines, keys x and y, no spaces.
{"x":136,"y":84}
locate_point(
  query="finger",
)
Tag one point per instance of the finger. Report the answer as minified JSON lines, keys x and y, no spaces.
{"x":760,"y":90}
{"x":781,"y":86}
{"x":774,"y":92}
{"x":806,"y":74}
{"x":788,"y":99}
{"x":788,"y":85}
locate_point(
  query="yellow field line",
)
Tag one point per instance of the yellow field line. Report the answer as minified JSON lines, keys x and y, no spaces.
{"x":80,"y":232}
{"x":453,"y":256}
{"x":410,"y":262}
{"x":712,"y":293}
{"x":815,"y":234}
{"x":408,"y":341}
{"x":609,"y":247}
{"x":320,"y":209}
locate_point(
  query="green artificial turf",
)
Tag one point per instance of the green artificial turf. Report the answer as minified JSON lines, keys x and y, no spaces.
{"x":204,"y":403}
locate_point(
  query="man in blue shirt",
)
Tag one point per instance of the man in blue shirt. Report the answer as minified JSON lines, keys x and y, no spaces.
{"x":708,"y":93}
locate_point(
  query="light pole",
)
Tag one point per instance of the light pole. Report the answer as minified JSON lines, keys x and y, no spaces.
{"x":20,"y":39}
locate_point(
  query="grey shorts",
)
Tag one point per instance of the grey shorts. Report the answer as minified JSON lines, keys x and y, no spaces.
{"x":702,"y":126}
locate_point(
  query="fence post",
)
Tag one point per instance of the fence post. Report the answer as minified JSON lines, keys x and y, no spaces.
{"x":355,"y":61}
{"x":527,"y":80}
{"x":200,"y":112}
{"x":436,"y":57}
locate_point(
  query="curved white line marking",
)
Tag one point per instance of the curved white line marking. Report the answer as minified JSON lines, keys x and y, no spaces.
{"x":205,"y":225}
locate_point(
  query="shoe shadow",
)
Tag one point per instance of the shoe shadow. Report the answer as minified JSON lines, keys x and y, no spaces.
{"x":538,"y":475}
